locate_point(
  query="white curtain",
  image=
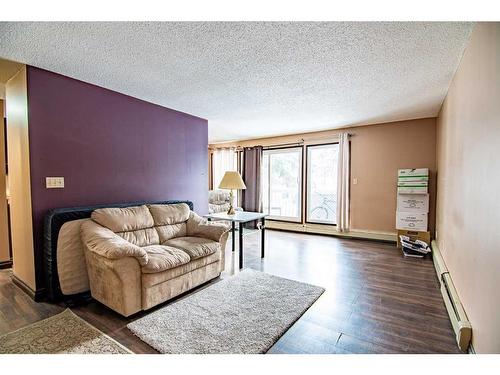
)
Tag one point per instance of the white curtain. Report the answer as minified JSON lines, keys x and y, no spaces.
{"x":343,"y":184}
{"x":224,"y":160}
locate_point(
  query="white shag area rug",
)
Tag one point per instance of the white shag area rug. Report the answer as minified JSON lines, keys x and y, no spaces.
{"x":64,"y":333}
{"x":246,"y":313}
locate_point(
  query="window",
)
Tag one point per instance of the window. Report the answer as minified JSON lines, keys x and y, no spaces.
{"x":282,"y":183}
{"x":322,"y":183}
{"x":223,"y":160}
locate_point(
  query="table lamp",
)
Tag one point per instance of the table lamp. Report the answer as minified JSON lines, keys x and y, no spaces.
{"x":231,"y":180}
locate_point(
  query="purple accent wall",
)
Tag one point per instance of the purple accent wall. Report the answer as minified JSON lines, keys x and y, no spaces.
{"x":110,"y":148}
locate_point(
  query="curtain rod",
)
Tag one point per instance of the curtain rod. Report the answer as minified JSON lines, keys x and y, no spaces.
{"x":299,"y":143}
{"x":302,"y":141}
{"x":226,"y":148}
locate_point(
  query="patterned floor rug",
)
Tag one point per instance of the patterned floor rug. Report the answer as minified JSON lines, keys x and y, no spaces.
{"x":246,"y":313}
{"x":61,"y":333}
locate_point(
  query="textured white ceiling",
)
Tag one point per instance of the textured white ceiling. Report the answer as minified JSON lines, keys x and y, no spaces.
{"x":255,"y":79}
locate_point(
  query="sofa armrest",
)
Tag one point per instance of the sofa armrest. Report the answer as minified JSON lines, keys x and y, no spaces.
{"x":106,"y":243}
{"x":213,"y":231}
{"x":199,"y":227}
{"x":115,"y":283}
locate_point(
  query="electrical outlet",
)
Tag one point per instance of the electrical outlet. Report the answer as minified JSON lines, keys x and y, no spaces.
{"x":354,"y":181}
{"x":54,"y":182}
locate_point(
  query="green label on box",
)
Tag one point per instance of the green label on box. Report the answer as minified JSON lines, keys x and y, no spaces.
{"x":413,"y":177}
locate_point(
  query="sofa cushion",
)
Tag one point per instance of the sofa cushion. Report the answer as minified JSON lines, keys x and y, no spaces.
{"x":170,"y":220}
{"x":196,"y":247}
{"x":168,"y":214}
{"x":124,"y":219}
{"x":134,"y":224}
{"x":166,"y":232}
{"x":162,"y":258}
{"x":151,"y":279}
{"x":141,"y":237}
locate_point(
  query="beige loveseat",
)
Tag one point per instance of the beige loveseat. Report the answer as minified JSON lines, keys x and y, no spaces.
{"x":219,"y":201}
{"x":138,"y":257}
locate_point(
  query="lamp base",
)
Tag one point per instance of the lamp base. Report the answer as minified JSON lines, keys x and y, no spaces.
{"x":231,"y":208}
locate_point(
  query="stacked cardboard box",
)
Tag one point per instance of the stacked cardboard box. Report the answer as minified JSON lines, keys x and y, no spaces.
{"x":412,"y":201}
{"x":413,"y":181}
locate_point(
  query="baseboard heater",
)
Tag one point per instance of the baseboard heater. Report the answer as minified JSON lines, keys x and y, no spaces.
{"x":458,"y":317}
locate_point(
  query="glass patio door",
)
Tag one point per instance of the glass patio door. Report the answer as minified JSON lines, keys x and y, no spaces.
{"x":321,"y":179}
{"x":281,"y":183}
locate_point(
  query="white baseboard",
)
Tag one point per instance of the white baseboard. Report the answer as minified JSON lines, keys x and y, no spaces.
{"x":456,"y":311}
{"x":331,"y":230}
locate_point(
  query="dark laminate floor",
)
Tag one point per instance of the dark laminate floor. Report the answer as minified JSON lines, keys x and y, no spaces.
{"x":375,"y":301}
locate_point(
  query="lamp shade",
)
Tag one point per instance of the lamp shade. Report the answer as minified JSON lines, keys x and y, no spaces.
{"x":232,"y":180}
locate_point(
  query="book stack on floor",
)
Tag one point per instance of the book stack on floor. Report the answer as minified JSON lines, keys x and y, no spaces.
{"x":412,"y":211}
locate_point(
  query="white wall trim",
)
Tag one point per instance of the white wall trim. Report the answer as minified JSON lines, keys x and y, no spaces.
{"x":331,"y":230}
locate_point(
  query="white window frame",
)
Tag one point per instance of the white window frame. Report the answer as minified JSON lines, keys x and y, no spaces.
{"x":281,"y":150}
{"x":308,"y":184}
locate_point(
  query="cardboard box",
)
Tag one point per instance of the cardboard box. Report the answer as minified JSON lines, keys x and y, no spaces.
{"x":413,"y":203}
{"x":413,"y":172}
{"x":412,"y":190}
{"x":413,"y":179}
{"x":412,"y":183}
{"x":414,"y":235}
{"x":411,"y":221}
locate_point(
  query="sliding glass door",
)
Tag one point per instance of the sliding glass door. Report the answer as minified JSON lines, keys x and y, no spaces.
{"x":282,"y":183}
{"x":321,"y":180}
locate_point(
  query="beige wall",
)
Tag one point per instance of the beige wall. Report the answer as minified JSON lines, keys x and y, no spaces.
{"x":19,"y":179}
{"x":4,"y":231}
{"x":468,"y":202}
{"x":377,"y":152}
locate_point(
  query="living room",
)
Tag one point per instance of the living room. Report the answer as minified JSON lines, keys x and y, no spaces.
{"x":242,"y":187}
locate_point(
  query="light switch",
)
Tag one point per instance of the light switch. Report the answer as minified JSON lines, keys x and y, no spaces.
{"x":54,"y":182}
{"x":354,"y":181}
